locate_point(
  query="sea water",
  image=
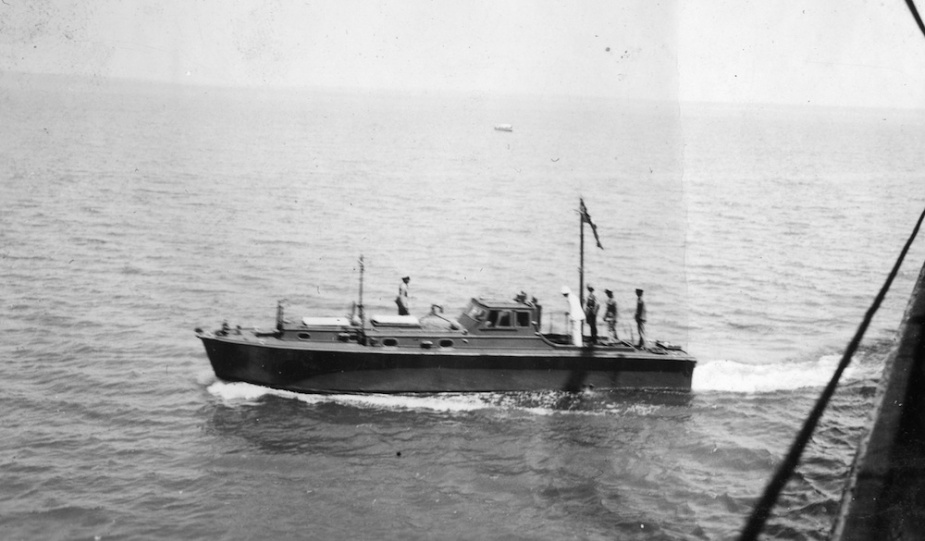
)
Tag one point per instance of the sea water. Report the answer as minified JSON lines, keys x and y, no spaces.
{"x":132,"y":213}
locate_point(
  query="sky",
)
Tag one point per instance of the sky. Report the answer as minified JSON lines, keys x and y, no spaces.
{"x":820,"y":52}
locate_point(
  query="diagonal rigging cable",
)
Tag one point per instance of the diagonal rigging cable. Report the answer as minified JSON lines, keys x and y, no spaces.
{"x":915,"y":15}
{"x":763,"y":508}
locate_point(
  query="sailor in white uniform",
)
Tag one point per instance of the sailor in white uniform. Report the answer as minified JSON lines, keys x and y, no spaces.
{"x":576,"y":316}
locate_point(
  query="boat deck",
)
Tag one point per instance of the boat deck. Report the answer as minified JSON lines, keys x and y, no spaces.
{"x":430,"y":343}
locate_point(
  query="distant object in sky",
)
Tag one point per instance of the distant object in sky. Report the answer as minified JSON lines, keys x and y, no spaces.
{"x":504,"y":127}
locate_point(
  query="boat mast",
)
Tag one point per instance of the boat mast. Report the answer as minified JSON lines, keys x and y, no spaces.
{"x":360,"y":304}
{"x":581,"y":257}
{"x":583,"y":217}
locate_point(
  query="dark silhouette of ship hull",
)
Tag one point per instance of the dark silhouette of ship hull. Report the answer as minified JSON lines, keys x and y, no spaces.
{"x":493,"y":346}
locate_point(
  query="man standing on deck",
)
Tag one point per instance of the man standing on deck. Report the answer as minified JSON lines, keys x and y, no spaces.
{"x":610,"y":314}
{"x":591,"y":308}
{"x":641,"y":318}
{"x":402,"y":299}
{"x":575,"y":316}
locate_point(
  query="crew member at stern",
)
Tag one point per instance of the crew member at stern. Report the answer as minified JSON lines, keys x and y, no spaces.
{"x":641,"y":318}
{"x":610,"y":314}
{"x":591,"y":309}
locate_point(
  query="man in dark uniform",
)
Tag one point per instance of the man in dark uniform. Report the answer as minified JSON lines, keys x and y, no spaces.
{"x":641,"y":318}
{"x":591,"y":308}
{"x":610,"y":314}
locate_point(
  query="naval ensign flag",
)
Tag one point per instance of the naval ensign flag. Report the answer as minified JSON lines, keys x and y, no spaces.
{"x":585,"y":217}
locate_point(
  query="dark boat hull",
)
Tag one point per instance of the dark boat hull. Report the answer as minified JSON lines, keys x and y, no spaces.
{"x":352,"y":368}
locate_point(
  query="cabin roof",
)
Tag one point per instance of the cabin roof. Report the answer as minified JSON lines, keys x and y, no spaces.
{"x":503,"y":304}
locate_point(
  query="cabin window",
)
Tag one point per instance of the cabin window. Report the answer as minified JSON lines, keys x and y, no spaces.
{"x":446,"y":343}
{"x":389,"y":342}
{"x":499,"y":319}
{"x":476,"y":313}
{"x":523,"y":319}
{"x":304,"y":336}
